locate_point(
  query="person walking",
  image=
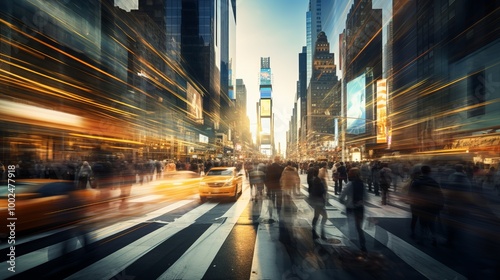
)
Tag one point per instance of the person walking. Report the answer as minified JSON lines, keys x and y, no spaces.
{"x":458,"y":201}
{"x":127,"y":176}
{"x":342,"y":175}
{"x":256,"y":177}
{"x":323,"y":173}
{"x":353,"y":196}
{"x":335,"y":178}
{"x":427,"y":200}
{"x":317,"y":199}
{"x":272,"y":181}
{"x":288,"y":181}
{"x":385,"y":182}
{"x":415,"y":173}
{"x":84,"y":174}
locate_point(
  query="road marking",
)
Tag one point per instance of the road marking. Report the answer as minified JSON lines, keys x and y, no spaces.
{"x":41,"y":256}
{"x":124,"y":257}
{"x":203,"y":251}
{"x":423,"y":263}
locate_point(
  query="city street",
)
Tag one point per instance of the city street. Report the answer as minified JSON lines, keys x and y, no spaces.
{"x":183,"y":238}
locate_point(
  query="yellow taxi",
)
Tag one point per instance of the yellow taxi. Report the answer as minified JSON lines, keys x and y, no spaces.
{"x":182,"y":183}
{"x":42,"y":203}
{"x":220,"y":182}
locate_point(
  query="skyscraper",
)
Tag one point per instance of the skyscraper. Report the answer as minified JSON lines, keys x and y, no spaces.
{"x":265,"y":138}
{"x":320,"y":94}
{"x":200,"y":35}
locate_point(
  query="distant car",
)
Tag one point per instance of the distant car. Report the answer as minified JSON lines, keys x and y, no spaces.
{"x":221,"y":182}
{"x":42,"y":203}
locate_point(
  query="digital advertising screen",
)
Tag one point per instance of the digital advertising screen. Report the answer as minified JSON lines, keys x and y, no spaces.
{"x":356,"y":107}
{"x":381,"y":111}
{"x":265,"y":92}
{"x":265,"y":76}
{"x":194,"y":106}
{"x":265,"y":107}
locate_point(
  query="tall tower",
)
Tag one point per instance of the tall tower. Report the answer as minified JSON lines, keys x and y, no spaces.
{"x":265,"y":131}
{"x":320,"y":98}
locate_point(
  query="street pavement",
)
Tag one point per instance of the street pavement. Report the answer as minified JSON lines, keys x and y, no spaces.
{"x":182,"y":238}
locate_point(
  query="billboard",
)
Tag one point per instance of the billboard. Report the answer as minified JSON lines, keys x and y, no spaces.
{"x":265,"y":76}
{"x":194,"y":105}
{"x":356,"y":107}
{"x":265,"y":92}
{"x":265,"y":107}
{"x":382,"y":111}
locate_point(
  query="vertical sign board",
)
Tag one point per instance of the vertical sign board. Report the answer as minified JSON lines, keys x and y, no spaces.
{"x":382,"y":111}
{"x":356,"y":105}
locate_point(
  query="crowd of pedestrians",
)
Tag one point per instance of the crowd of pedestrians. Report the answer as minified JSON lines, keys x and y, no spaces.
{"x":449,"y":193}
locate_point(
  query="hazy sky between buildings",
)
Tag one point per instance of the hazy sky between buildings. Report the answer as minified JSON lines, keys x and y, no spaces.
{"x":275,"y":29}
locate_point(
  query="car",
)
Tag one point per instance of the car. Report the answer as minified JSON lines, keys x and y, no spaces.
{"x":178,"y":183}
{"x":220,"y":182}
{"x":35,"y":204}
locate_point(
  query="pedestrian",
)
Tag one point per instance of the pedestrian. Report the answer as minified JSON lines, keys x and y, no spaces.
{"x":256,"y":177}
{"x":376,"y":166}
{"x":342,"y":176}
{"x":427,"y":200}
{"x":353,"y":196}
{"x":366,"y":174}
{"x":317,"y":199}
{"x":288,"y":181}
{"x":323,"y":173}
{"x":415,"y":173}
{"x":458,"y":200}
{"x":84,"y":175}
{"x":496,"y":181}
{"x":385,"y":182}
{"x":272,"y":181}
{"x":127,"y":179}
{"x":310,"y":176}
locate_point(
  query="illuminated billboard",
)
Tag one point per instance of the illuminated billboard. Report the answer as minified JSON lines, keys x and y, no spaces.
{"x":265,"y":107}
{"x":381,"y":111}
{"x":356,"y":110}
{"x":265,"y":76}
{"x":265,"y":92}
{"x":194,"y":107}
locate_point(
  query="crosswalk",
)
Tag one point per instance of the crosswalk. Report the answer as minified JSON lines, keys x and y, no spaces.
{"x":187,"y":239}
